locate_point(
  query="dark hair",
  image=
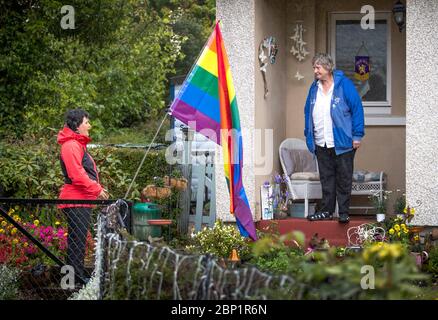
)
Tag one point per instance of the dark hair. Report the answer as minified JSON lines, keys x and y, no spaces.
{"x":74,"y":118}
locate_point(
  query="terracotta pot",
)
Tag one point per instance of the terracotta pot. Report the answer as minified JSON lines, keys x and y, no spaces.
{"x":179,"y":184}
{"x":152,"y":191}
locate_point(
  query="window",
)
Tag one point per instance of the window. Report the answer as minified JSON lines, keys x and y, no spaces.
{"x":348,"y":41}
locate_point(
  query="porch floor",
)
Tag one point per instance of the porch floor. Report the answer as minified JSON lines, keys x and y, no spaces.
{"x":332,"y":230}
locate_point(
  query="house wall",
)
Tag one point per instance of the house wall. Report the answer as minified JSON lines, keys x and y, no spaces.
{"x":238,"y":30}
{"x":422,"y":116}
{"x":270,"y":112}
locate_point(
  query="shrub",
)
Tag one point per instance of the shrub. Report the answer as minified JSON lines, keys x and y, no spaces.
{"x":31,"y":169}
{"x":8,"y":282}
{"x":219,"y":241}
{"x":432,"y":265}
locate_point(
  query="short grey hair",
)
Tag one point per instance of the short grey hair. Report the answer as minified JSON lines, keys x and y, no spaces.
{"x":324,"y":60}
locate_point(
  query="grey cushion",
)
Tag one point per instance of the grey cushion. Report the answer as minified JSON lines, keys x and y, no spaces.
{"x":298,"y":161}
{"x":365,"y":176}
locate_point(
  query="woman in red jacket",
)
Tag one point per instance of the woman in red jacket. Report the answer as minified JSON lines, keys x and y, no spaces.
{"x":81,"y":182}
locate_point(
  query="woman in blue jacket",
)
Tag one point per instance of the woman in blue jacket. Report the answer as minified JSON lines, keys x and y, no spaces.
{"x":334,"y":127}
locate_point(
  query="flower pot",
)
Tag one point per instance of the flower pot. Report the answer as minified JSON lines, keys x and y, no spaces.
{"x":380,"y":217}
{"x":280,"y":214}
{"x":152,"y":191}
{"x":420,"y":258}
{"x":179,"y":184}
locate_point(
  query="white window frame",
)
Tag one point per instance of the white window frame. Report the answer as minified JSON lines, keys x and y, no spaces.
{"x":370,"y":107}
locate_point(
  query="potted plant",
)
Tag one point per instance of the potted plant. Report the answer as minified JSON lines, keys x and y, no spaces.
{"x":379,"y":200}
{"x":400,"y":205}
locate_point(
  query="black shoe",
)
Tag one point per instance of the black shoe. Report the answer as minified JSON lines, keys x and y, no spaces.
{"x":344,"y":218}
{"x":318,"y":216}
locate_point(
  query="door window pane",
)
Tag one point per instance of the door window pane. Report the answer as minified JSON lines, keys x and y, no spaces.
{"x":351,"y":41}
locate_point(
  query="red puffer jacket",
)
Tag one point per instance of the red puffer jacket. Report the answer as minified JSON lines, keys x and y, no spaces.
{"x":80,"y":172}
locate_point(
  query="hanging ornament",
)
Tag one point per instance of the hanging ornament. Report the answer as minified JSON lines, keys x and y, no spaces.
{"x":298,"y":48}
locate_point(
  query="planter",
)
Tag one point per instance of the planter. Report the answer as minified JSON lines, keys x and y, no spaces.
{"x":152,"y":191}
{"x":280,"y":214}
{"x":179,"y":184}
{"x":380,"y":217}
{"x":420,"y":258}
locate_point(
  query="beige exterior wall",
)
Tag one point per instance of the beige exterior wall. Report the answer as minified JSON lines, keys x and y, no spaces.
{"x":270,"y":19}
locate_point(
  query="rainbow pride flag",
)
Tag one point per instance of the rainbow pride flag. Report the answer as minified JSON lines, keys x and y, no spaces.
{"x":207,"y":103}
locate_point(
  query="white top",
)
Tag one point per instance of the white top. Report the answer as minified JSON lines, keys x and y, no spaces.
{"x":322,"y":120}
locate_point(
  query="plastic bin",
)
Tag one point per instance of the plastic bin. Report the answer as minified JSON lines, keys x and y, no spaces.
{"x":298,"y":209}
{"x":141,"y":213}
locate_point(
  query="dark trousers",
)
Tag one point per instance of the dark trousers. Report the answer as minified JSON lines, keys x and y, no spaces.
{"x":78,"y":220}
{"x":336,"y":175}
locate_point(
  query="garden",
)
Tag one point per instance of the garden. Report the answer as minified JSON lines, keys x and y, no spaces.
{"x":117,"y":67}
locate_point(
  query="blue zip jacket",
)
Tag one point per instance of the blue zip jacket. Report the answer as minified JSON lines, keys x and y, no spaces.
{"x":346,"y":112}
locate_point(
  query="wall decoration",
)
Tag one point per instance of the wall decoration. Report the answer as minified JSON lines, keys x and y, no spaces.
{"x":268,"y":49}
{"x":362,"y":69}
{"x":299,"y":76}
{"x":298,"y":48}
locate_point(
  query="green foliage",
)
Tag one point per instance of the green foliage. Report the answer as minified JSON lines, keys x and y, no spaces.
{"x":114,"y":64}
{"x":219,"y":241}
{"x":31,"y":169}
{"x":432,"y":265}
{"x":8,"y":282}
{"x":278,"y":254}
{"x":329,"y":277}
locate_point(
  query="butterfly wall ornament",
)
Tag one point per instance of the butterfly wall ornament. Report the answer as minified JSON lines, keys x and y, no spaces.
{"x":298,"y":48}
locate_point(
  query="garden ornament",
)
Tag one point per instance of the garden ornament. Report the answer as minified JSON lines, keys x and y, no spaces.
{"x":366,"y":232}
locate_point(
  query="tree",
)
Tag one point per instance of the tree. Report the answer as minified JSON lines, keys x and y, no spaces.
{"x":114,"y":63}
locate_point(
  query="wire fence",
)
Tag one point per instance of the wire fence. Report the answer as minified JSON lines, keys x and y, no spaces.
{"x":52,"y":243}
{"x":84,"y":250}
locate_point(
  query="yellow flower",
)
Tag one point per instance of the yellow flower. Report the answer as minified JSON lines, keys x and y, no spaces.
{"x":406,"y":231}
{"x":11,"y":211}
{"x":416,"y":238}
{"x":398,"y":234}
{"x":2,"y":230}
{"x":36,"y":223}
{"x":366,"y":255}
{"x":4,"y":223}
{"x":14,"y":231}
{"x":15,"y":241}
{"x":412,"y":212}
{"x":403,"y":226}
{"x":391,"y":231}
{"x":397,"y":227}
{"x":25,"y":245}
{"x":57,"y":223}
